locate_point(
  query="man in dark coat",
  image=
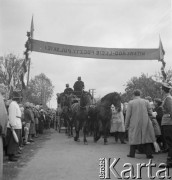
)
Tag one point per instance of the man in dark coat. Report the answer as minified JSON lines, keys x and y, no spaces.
{"x":159,"y":110}
{"x":68,"y":90}
{"x":167,"y":121}
{"x":78,"y":87}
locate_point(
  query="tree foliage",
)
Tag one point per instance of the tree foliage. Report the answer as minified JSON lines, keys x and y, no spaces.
{"x":40,"y":90}
{"x":159,"y":78}
{"x":146,"y":84}
{"x":10,"y":65}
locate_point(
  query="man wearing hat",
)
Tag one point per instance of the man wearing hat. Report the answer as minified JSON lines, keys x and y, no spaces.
{"x":16,"y":124}
{"x":78,"y":87}
{"x":68,"y":90}
{"x":167,"y":120}
{"x":3,"y":123}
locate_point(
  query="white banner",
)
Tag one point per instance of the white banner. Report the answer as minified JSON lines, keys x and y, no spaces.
{"x":95,"y":52}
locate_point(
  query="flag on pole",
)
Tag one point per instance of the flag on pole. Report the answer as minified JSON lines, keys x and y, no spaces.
{"x":161,"y":50}
{"x":31,"y":28}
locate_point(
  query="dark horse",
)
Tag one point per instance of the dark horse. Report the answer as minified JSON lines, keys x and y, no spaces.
{"x":66,"y":103}
{"x":104,"y":114}
{"x":67,"y":115}
{"x":80,"y":115}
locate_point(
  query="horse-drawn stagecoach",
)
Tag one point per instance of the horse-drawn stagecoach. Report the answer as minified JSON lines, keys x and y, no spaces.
{"x":64,"y":102}
{"x":83,"y":115}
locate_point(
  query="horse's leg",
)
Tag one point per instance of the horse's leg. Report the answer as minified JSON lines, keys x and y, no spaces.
{"x":71,"y":127}
{"x":104,"y":133}
{"x":65,"y":124}
{"x":68,"y":126}
{"x":85,"y":132}
{"x":97,"y":130}
{"x":76,"y":138}
{"x":105,"y":137}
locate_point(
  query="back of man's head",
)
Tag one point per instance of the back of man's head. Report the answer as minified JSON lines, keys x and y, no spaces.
{"x":137,"y":92}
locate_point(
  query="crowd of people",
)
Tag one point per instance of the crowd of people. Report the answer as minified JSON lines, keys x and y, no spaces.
{"x":20,"y":124}
{"x":146,"y":124}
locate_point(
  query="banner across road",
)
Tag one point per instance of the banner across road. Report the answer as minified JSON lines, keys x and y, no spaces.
{"x":96,"y":52}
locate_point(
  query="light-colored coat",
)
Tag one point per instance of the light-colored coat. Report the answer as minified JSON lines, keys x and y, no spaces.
{"x":14,"y":116}
{"x":138,"y":123}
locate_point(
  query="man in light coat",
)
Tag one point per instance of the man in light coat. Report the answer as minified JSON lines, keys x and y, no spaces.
{"x":3,"y":123}
{"x":139,"y":125}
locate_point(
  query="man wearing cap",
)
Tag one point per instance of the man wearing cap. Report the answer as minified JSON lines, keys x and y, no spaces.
{"x":78,"y":87}
{"x":16,"y":124}
{"x":167,"y":120}
{"x":3,"y":123}
{"x":68,"y":90}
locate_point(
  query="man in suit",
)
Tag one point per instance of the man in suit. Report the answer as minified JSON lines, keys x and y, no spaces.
{"x":3,"y":123}
{"x":139,"y":126}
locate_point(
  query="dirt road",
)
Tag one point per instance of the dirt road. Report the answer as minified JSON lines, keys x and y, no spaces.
{"x":60,"y":158}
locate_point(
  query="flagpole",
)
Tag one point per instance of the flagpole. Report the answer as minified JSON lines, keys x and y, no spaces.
{"x":29,"y":48}
{"x":161,"y":58}
{"x":27,"y":59}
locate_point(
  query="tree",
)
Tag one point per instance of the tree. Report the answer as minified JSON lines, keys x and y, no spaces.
{"x":146,"y":84}
{"x":40,"y":90}
{"x":10,"y":65}
{"x":10,"y":76}
{"x":159,"y":78}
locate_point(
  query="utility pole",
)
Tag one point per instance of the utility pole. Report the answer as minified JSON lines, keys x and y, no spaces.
{"x":92,"y":92}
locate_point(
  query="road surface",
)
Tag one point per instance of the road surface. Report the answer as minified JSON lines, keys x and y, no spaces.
{"x":61,"y":158}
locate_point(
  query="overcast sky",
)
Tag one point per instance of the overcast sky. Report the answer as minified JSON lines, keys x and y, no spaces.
{"x":99,"y":23}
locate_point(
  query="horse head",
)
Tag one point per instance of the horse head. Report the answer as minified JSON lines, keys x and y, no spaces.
{"x":86,"y":99}
{"x":112,"y":98}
